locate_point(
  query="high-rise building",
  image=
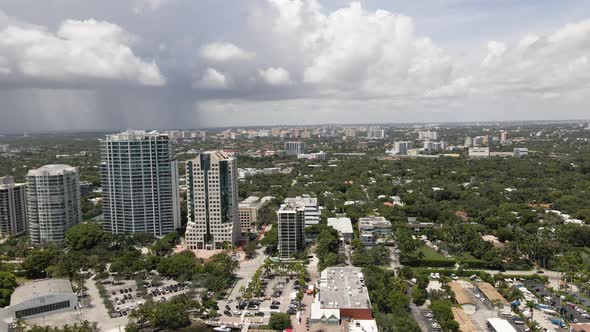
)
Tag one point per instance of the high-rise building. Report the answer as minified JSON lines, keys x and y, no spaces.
{"x":291,"y":223}
{"x":401,"y":148}
{"x":503,"y":136}
{"x":310,"y":206}
{"x":479,"y":141}
{"x":13,"y":207}
{"x":213,"y":210}
{"x":294,"y":148}
{"x":350,"y":132}
{"x":427,"y":135}
{"x":53,"y":202}
{"x":376,"y":133}
{"x":468,"y":142}
{"x":139,"y":173}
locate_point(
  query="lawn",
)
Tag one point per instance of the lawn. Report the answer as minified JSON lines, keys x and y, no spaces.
{"x":431,"y":254}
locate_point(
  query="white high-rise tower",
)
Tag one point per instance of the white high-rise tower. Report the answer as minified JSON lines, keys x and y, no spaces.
{"x":53,"y":200}
{"x":139,"y":173}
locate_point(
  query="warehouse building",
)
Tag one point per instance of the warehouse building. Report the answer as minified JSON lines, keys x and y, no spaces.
{"x":37,"y":299}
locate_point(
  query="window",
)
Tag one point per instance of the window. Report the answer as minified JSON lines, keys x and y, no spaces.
{"x":42,"y":309}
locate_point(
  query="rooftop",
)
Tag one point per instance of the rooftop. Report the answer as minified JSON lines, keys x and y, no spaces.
{"x":342,"y":225}
{"x":490,"y":292}
{"x":461,"y":295}
{"x":8,"y":182}
{"x":133,"y":135}
{"x":40,"y":288}
{"x":465,"y":323}
{"x":373,"y":222}
{"x":343,"y":287}
{"x":302,"y":200}
{"x":500,"y":324}
{"x":53,"y":169}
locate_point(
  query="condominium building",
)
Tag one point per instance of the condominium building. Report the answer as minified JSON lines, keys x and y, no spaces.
{"x":53,"y":202}
{"x":311,"y":208}
{"x":434,"y":146}
{"x":291,"y":223}
{"x":468,"y":142}
{"x":503,"y":136}
{"x":139,"y":173}
{"x":372,"y":229}
{"x":376,"y":133}
{"x":350,"y":132}
{"x":401,"y":148}
{"x":213,"y":211}
{"x":13,"y":207}
{"x":294,"y":148}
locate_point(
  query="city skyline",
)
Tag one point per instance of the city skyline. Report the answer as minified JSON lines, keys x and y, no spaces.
{"x":317,"y":62}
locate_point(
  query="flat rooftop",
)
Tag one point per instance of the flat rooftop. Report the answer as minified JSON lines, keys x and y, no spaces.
{"x":462,"y":296}
{"x":343,"y":288}
{"x":490,"y":292}
{"x":307,"y":201}
{"x":40,"y":288}
{"x":342,"y":225}
{"x":53,"y":169}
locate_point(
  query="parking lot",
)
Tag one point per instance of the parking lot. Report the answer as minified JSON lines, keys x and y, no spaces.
{"x":570,"y":311}
{"x":124,"y":295}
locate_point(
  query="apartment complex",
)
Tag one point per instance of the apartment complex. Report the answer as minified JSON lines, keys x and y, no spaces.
{"x":401,"y":148}
{"x":372,"y":229}
{"x":291,"y":223}
{"x":13,"y":207}
{"x":139,"y":173}
{"x":427,"y":135}
{"x":376,"y":133}
{"x":53,"y":202}
{"x":213,"y":210}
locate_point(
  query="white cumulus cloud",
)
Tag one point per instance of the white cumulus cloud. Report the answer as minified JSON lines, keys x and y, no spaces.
{"x":87,"y":49}
{"x":213,"y":79}
{"x":223,"y":52}
{"x":275,"y":76}
{"x":142,"y":5}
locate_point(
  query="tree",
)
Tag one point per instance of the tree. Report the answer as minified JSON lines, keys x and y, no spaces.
{"x":7,"y":286}
{"x":85,"y":236}
{"x":250,"y":248}
{"x":38,"y":261}
{"x":279,"y":321}
{"x":176,"y":265}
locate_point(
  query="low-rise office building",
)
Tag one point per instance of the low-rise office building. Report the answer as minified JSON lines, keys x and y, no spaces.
{"x":372,"y":229}
{"x":343,"y":226}
{"x":249,"y":212}
{"x":342,"y":296}
{"x":38,"y":298}
{"x":479,"y":152}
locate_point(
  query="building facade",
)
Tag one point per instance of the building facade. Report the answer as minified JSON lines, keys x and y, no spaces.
{"x":479,"y":152}
{"x":310,"y":206}
{"x":53,"y":202}
{"x":139,"y":173}
{"x":427,"y":135}
{"x":213,"y":210}
{"x":291,"y":223}
{"x":13,"y":207}
{"x":372,"y":229}
{"x":294,"y":148}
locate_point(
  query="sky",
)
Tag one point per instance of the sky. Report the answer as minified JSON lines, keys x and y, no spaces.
{"x":114,"y":64}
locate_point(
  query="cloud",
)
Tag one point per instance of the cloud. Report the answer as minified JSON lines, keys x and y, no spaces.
{"x":153,"y":5}
{"x":544,"y":65}
{"x":275,"y":76}
{"x":224,"y":52}
{"x":213,"y":79}
{"x":352,"y":51}
{"x":78,"y":50}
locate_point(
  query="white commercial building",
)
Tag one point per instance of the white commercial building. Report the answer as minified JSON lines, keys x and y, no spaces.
{"x":468,"y":142}
{"x":499,"y":325}
{"x":311,"y":207}
{"x":13,"y":207}
{"x":313,"y":156}
{"x":479,"y":152}
{"x":520,"y":152}
{"x":343,"y":226}
{"x":139,"y":176}
{"x":38,"y":299}
{"x":213,"y":211}
{"x":53,"y":202}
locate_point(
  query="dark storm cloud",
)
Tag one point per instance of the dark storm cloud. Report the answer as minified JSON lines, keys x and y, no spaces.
{"x":110,"y":64}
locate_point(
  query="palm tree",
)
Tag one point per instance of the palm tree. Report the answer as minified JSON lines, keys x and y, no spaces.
{"x":531,"y":305}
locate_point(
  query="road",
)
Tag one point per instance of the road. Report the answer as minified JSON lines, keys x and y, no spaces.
{"x":312,"y":270}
